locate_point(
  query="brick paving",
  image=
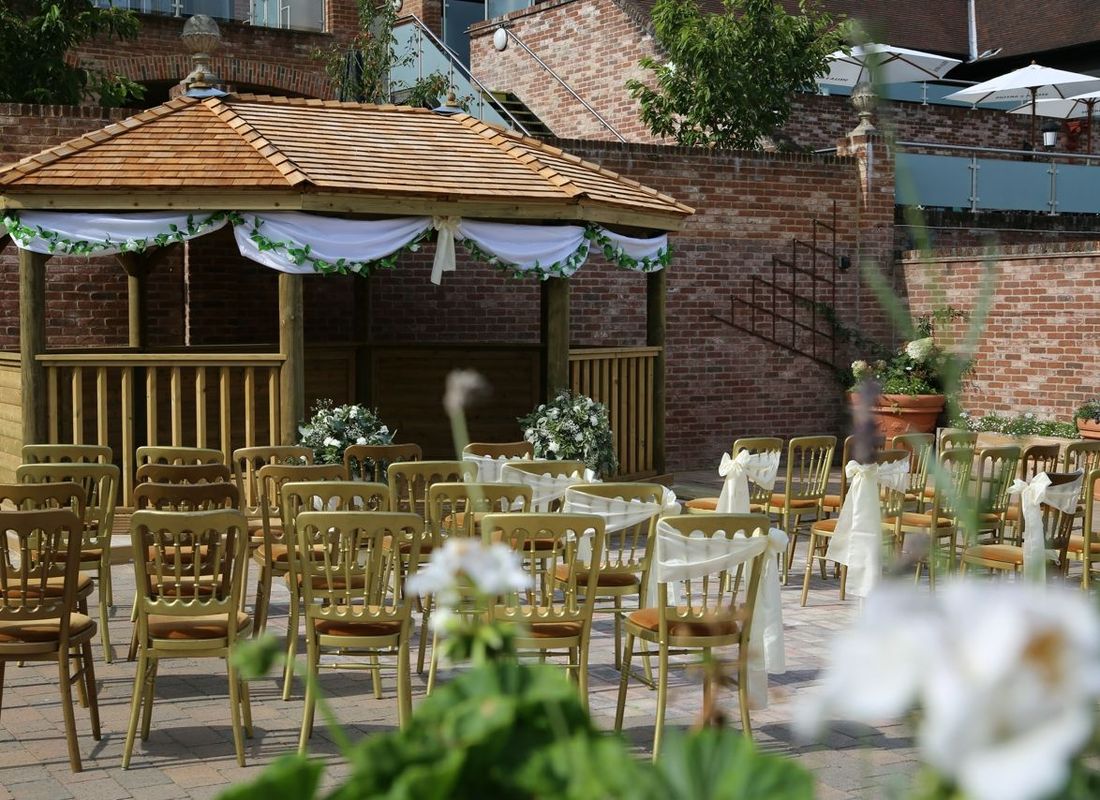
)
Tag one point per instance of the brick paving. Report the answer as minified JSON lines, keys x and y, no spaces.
{"x":190,"y":752}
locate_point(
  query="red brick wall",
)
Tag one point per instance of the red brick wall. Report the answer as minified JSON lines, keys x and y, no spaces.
{"x":1040,"y":344}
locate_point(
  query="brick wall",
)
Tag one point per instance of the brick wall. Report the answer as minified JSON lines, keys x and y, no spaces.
{"x":1040,"y":344}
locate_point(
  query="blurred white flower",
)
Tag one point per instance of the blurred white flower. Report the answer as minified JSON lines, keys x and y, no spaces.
{"x":920,"y":349}
{"x":464,"y":387}
{"x":860,"y":368}
{"x":493,"y":570}
{"x":361,"y":440}
{"x":1006,"y":676}
{"x":331,"y":442}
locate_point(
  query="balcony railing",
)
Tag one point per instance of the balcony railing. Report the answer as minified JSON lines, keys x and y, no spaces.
{"x":992,"y":179}
{"x":303,"y":15}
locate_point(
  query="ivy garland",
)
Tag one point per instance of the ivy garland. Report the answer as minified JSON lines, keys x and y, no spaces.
{"x":617,"y":256}
{"x":57,"y":243}
{"x":559,"y":269}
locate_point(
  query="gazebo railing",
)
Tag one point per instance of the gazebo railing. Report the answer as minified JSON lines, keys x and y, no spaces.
{"x":125,"y":400}
{"x":622,"y":378}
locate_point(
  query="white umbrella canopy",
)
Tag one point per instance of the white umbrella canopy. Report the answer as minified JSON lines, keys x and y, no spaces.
{"x":1076,"y":107}
{"x":883,"y":63}
{"x":1026,"y":85}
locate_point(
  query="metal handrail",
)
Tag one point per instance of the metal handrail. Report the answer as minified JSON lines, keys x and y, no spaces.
{"x":454,"y":61}
{"x":975,"y":149}
{"x":559,"y":79}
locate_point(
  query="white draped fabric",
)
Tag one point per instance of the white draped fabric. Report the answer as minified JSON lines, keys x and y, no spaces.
{"x":488,"y":468}
{"x":857,"y":539}
{"x":679,"y":558}
{"x":760,"y":468}
{"x":329,"y":239}
{"x":106,"y":233}
{"x":618,"y":514}
{"x":1033,"y":494}
{"x":645,"y":251}
{"x":545,"y":488}
{"x":526,"y":247}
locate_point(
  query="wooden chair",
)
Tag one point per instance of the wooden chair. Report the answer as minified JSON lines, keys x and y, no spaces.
{"x":1057,"y":527}
{"x":155,"y":472}
{"x":832,"y":503}
{"x":710,"y":615}
{"x":758,"y":496}
{"x":100,"y":485}
{"x":550,"y":621}
{"x":369,"y":462}
{"x":1084,"y":457}
{"x":410,"y":481}
{"x":809,"y":459}
{"x":271,"y":548}
{"x":500,"y":449}
{"x":151,"y":454}
{"x":39,"y":568}
{"x":350,"y":605}
{"x":623,"y":567}
{"x":953,"y":437}
{"x":1085,"y":546}
{"x":247,"y":462}
{"x":950,"y":492}
{"x":997,"y":469}
{"x":921,"y":448}
{"x":188,"y":607}
{"x":66,"y":453}
{"x":821,"y":533}
{"x":531,"y":473}
{"x":1035,"y":459}
{"x":302,"y":497}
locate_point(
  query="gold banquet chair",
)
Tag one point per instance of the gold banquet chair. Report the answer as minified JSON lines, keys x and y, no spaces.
{"x":369,"y":462}
{"x":759,"y":497}
{"x":809,"y":459}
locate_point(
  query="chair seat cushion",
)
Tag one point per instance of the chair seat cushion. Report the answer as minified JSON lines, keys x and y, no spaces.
{"x":1077,"y":544}
{"x":55,"y":587}
{"x":912,"y":518}
{"x":41,"y":631}
{"x":86,"y":555}
{"x":779,"y":500}
{"x":347,"y":627}
{"x":539,"y":543}
{"x":702,"y":504}
{"x":650,"y":619}
{"x":832,"y":501}
{"x":1013,"y":513}
{"x":256,"y":529}
{"x":280,"y":553}
{"x":609,"y":579}
{"x":995,"y":552}
{"x":164,"y":626}
{"x":321,"y":582}
{"x":552,"y":630}
{"x":825,"y":527}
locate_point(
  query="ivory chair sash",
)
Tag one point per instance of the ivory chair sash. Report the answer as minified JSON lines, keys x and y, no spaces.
{"x":1033,"y":494}
{"x":857,"y":541}
{"x":618,"y":514}
{"x":760,"y":468}
{"x":545,"y":488}
{"x":489,"y":468}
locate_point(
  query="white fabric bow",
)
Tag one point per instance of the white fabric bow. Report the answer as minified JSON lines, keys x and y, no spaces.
{"x":760,"y":468}
{"x":545,"y":488}
{"x":489,"y":468}
{"x":678,"y":558}
{"x":444,"y":246}
{"x":857,"y":539}
{"x":618,"y":514}
{"x":1033,"y":494}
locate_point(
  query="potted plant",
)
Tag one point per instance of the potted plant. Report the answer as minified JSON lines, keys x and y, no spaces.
{"x":911,"y":387}
{"x":1088,"y":419}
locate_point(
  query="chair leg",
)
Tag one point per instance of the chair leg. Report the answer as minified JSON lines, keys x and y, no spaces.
{"x":433,"y":663}
{"x":2,"y":664}
{"x":426,"y":612}
{"x":246,"y":707}
{"x":150,"y":691}
{"x":135,"y":706}
{"x":291,"y":645}
{"x":582,"y":671}
{"x":375,"y":676}
{"x":843,"y":581}
{"x":662,"y":698}
{"x":263,"y":598}
{"x":743,"y":693}
{"x":81,"y":685}
{"x":624,"y":676}
{"x":104,"y":606}
{"x":65,"y":676}
{"x":404,"y":683}
{"x":311,"y":693}
{"x":618,"y":631}
{"x":810,"y":568}
{"x":235,"y":711}
{"x":88,"y":675}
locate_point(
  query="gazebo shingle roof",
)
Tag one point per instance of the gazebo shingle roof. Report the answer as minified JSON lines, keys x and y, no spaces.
{"x":326,"y":148}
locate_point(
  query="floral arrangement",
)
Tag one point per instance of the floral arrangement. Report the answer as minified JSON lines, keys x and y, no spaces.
{"x":919,"y":367}
{"x":1089,"y":410}
{"x":572,"y":427}
{"x":1022,"y":425}
{"x":333,"y":429}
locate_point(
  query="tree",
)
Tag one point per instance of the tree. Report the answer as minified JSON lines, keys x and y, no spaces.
{"x":35,"y":40}
{"x":729,"y":77}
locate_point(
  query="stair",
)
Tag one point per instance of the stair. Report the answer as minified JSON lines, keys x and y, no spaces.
{"x":523,"y":115}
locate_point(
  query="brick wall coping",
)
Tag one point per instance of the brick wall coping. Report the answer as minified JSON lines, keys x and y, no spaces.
{"x":82,"y":112}
{"x":679,"y":150}
{"x":1014,"y":252}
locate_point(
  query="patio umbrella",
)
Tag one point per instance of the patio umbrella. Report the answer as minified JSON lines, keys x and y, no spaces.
{"x":883,"y":63}
{"x":1076,"y":107}
{"x":1026,"y":85}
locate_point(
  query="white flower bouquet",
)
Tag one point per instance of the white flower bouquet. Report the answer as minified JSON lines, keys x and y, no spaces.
{"x":572,"y":427}
{"x":334,"y":428}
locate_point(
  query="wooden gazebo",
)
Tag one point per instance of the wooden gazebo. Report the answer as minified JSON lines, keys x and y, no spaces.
{"x":251,"y":154}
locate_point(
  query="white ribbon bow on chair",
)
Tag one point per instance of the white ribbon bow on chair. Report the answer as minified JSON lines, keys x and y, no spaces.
{"x":857,"y":540}
{"x":1033,"y":494}
{"x":444,"y":261}
{"x":760,"y":468}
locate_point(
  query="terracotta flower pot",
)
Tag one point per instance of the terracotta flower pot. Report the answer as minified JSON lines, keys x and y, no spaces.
{"x":1088,"y":428}
{"x":896,"y":414}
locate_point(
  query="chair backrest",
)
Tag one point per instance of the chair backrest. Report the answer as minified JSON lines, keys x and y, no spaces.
{"x":1083,"y":456}
{"x":500,"y":449}
{"x":348,"y":577}
{"x":100,"y":485}
{"x":547,"y":543}
{"x":1058,"y":524}
{"x":454,"y":509}
{"x":809,"y":459}
{"x":62,"y":453}
{"x":272,"y":477}
{"x":326,"y":495}
{"x":1039,"y":458}
{"x":175,"y":582}
{"x":921,"y":447}
{"x":953,"y":437}
{"x":247,"y":462}
{"x":37,"y":496}
{"x":155,"y":472}
{"x":951,"y":479}
{"x":893,"y":500}
{"x":997,"y":468}
{"x":186,"y":496}
{"x":627,"y":549}
{"x":711,"y":596}
{"x":535,"y":474}
{"x":369,"y":462}
{"x":758,"y":495}
{"x":409,"y":482}
{"x":36,"y":546}
{"x":155,"y":454}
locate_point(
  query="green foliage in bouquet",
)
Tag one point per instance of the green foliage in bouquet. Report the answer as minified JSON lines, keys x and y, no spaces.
{"x":1089,"y":410}
{"x":1020,"y":425}
{"x":572,"y":427}
{"x":332,"y":429}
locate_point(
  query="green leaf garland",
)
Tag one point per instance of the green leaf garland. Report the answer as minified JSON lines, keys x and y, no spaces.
{"x":57,"y":243}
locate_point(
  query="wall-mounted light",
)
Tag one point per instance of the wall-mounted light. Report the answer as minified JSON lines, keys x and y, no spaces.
{"x":1050,"y":131}
{"x":500,"y":39}
{"x":844,"y":264}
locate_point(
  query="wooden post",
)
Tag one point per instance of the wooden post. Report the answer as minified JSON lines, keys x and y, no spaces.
{"x":656,"y":299}
{"x":555,"y":335}
{"x":32,"y":343}
{"x":361,"y":337}
{"x":292,"y":376}
{"x":137,"y":267}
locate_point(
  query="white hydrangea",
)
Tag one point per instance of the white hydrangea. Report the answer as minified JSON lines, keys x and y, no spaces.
{"x":920,"y":349}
